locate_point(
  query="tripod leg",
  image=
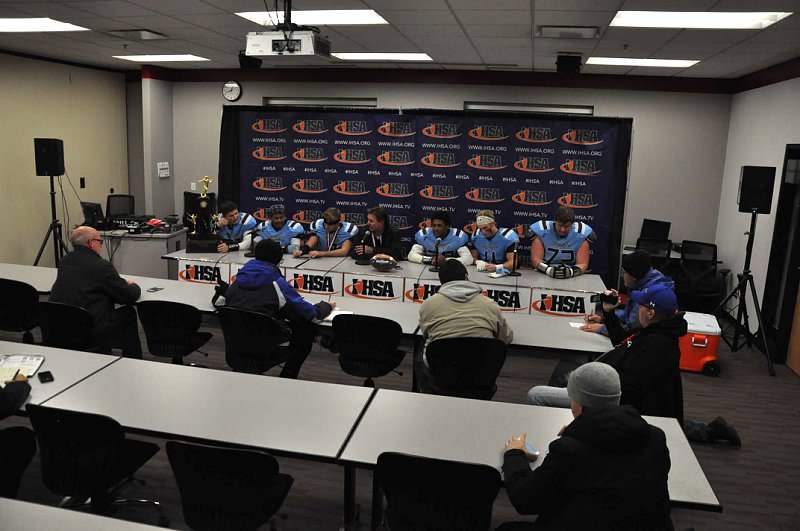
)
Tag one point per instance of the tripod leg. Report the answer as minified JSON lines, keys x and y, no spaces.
{"x":770,"y":367}
{"x":44,"y":244}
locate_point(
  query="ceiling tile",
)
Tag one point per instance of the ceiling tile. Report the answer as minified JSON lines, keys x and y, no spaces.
{"x":577,"y":5}
{"x":155,"y":22}
{"x":497,"y":30}
{"x":653,"y":71}
{"x":422,"y":18}
{"x":417,"y":5}
{"x":573,"y":18}
{"x":763,"y":5}
{"x":378,"y":38}
{"x":604,"y":69}
{"x":113,"y":8}
{"x":667,"y":5}
{"x":554,"y":46}
{"x":475,"y":17}
{"x":502,"y":5}
{"x":50,"y":9}
{"x":176,"y":7}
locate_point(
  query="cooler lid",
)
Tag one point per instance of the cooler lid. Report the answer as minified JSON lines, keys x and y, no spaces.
{"x":702,"y":323}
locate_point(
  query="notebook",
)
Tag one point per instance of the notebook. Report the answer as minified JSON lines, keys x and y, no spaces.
{"x":27,"y":364}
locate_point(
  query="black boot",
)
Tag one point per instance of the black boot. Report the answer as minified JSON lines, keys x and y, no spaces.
{"x":720,"y":430}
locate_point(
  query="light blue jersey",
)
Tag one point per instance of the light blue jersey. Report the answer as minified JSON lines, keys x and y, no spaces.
{"x":236,"y":232}
{"x":559,"y":250}
{"x":494,"y":249}
{"x":455,"y":239}
{"x":331,"y":242}
{"x":290,"y":229}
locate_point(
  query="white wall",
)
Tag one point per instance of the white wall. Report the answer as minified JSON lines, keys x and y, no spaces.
{"x":82,"y":106}
{"x":158,"y":138}
{"x":762,"y":122}
{"x":133,"y":91}
{"x":677,"y":154}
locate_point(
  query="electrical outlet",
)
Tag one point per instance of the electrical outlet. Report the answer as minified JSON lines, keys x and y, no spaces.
{"x":194,"y":186}
{"x":83,"y":182}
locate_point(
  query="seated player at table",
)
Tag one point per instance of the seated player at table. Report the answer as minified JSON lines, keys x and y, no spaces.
{"x":492,"y":247}
{"x":261,"y":287}
{"x":286,"y":232}
{"x":85,"y":279}
{"x":17,"y":443}
{"x":330,"y":236}
{"x":378,"y":238}
{"x":608,"y":468}
{"x":560,"y":248}
{"x":452,"y":243}
{"x":233,"y":228}
{"x":637,"y":274}
{"x":647,"y":361}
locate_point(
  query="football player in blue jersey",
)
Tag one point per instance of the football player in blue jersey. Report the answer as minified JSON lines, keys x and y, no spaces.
{"x":560,"y":248}
{"x":450,"y":242}
{"x":233,"y":228}
{"x":286,"y":233}
{"x":329,"y":236}
{"x":492,"y":247}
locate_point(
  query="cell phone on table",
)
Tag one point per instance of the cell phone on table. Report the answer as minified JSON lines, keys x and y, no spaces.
{"x":154,"y":289}
{"x":45,"y":376}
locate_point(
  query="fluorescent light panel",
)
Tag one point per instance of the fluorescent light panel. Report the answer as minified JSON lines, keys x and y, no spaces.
{"x":629,"y":61}
{"x":370,"y":56}
{"x":696,"y":19}
{"x":324,"y":17}
{"x":160,"y":58}
{"x":36,"y":25}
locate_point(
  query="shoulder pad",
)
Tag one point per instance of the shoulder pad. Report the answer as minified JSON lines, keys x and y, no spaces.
{"x":317,"y":224}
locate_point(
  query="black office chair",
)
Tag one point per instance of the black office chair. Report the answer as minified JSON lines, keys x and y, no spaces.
{"x":225,"y":488}
{"x":67,"y":326}
{"x":171,"y":329}
{"x":18,"y":311}
{"x":253,"y":340}
{"x":659,"y":251}
{"x":84,"y":456}
{"x":432,"y":494}
{"x":465,"y":367}
{"x":367,"y":346}
{"x":698,"y":284}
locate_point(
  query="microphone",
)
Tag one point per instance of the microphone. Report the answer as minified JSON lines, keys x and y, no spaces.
{"x":252,"y":252}
{"x":514,"y":272}
{"x":363,"y":259}
{"x":435,"y":268}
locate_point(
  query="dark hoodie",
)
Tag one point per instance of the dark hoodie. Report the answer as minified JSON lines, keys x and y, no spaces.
{"x":608,"y":471}
{"x":260,"y":287}
{"x":648,"y":363}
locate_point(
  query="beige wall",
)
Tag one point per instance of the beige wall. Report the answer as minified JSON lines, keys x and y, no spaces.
{"x":677,"y":154}
{"x":85,"y":108}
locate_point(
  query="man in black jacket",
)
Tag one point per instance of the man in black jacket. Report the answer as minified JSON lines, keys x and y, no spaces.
{"x":647,"y":360}
{"x":86,"y":280}
{"x":17,"y":444}
{"x":607,"y":471}
{"x":379,"y":238}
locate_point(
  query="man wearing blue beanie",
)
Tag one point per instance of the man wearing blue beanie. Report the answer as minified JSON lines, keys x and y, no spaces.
{"x":608,"y":470}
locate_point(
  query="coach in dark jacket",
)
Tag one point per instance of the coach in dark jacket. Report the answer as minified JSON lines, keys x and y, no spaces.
{"x":260,"y":287}
{"x":648,"y":360}
{"x":379,"y":237}
{"x":85,"y":279}
{"x":607,"y":471}
{"x":16,"y":443}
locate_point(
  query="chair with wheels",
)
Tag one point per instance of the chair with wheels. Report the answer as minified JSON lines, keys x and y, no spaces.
{"x":18,"y":311}
{"x":171,"y":329}
{"x":465,"y":367}
{"x":67,"y":326}
{"x":367,"y":346}
{"x":659,"y":251}
{"x":253,"y":340}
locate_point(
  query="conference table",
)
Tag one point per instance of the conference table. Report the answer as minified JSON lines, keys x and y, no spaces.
{"x":475,"y":431}
{"x":26,"y":516}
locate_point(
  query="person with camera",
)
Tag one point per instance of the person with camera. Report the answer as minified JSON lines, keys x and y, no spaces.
{"x":647,"y":360}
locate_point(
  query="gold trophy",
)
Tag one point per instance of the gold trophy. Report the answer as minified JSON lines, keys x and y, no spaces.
{"x":205,"y":181}
{"x":194,"y":222}
{"x":215,"y":219}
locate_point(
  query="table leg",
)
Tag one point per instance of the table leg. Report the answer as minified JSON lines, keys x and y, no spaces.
{"x":350,"y":508}
{"x":377,"y":503}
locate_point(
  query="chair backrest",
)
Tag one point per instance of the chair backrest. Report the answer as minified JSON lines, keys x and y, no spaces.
{"x":18,"y":310}
{"x":432,"y":494}
{"x":65,"y":326}
{"x":466,"y":366}
{"x":698,"y":252}
{"x":366,"y":340}
{"x":78,"y":451}
{"x":222,"y":488}
{"x":653,"y":228}
{"x":655,"y":248}
{"x":168,"y":326}
{"x":118,"y":205}
{"x":251,"y":339}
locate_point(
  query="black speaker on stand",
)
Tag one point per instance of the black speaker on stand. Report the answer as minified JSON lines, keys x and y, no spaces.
{"x":755,"y":197}
{"x":49,"y":155}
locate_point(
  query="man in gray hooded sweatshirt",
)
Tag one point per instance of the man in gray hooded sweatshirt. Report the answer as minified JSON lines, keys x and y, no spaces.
{"x":459,"y":309}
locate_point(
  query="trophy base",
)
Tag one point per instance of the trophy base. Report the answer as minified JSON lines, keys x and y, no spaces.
{"x":202,"y":245}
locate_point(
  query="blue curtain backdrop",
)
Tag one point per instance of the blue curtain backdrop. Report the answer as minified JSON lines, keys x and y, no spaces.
{"x":520,"y":166}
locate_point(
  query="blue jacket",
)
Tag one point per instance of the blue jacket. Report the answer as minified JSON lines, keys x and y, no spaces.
{"x":260,"y":287}
{"x":629,"y":314}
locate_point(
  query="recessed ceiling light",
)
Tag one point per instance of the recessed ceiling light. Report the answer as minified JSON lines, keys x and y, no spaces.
{"x":369,"y":56}
{"x":35,"y":25}
{"x":696,"y":19}
{"x":324,"y":17}
{"x":159,"y":58}
{"x":629,"y":61}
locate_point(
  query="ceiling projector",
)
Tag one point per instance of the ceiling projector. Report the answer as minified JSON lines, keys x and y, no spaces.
{"x":274,"y":43}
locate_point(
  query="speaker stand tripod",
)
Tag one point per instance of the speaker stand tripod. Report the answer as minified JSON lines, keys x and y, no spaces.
{"x":742,"y":325}
{"x":54,"y":230}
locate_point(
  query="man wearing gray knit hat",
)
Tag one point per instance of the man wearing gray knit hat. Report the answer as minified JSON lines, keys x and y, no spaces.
{"x":607,"y":470}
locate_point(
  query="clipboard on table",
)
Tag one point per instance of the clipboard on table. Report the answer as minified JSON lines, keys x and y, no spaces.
{"x":26,"y":364}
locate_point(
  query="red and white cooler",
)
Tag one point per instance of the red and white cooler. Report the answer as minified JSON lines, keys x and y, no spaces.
{"x":699,"y":345}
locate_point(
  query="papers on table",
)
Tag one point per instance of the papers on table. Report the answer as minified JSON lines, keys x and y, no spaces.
{"x":334,"y":313}
{"x":26,"y":364}
{"x":577,"y":325}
